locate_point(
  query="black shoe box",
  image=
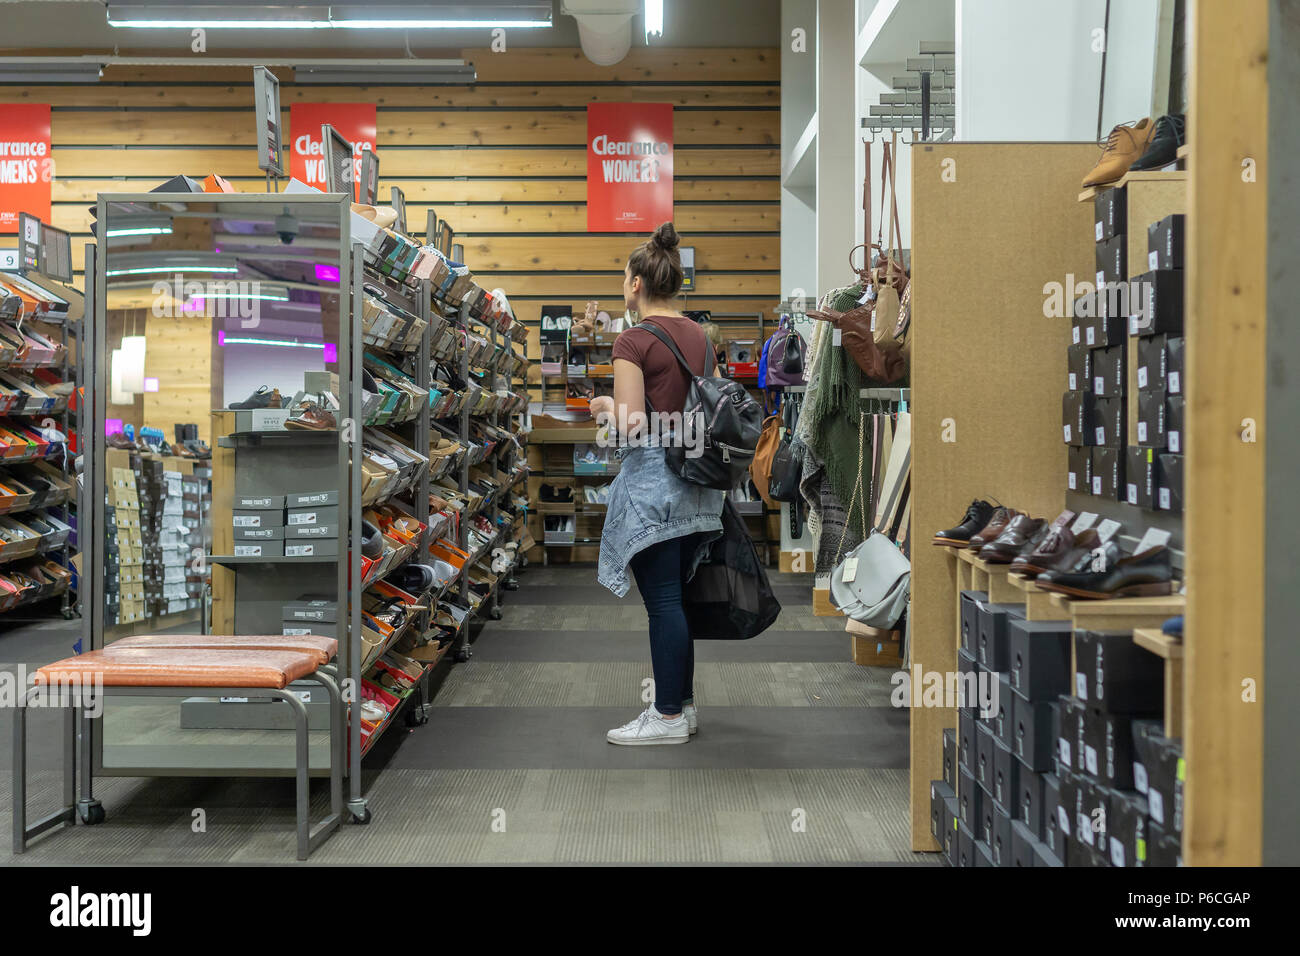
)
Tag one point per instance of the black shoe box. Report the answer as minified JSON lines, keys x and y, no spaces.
{"x":1175,"y":423}
{"x":1112,"y":259}
{"x":965,"y":846}
{"x":997,"y":823}
{"x":949,"y":839}
{"x":1105,"y":330}
{"x":1039,"y":658}
{"x":1163,"y":760}
{"x":967,"y":744}
{"x":1006,"y":775}
{"x":1078,"y":361}
{"x":1053,"y":835}
{"x":1141,"y":475}
{"x":940,"y":795}
{"x":1174,"y":359}
{"x":1069,"y":804}
{"x":1070,"y":734}
{"x":1159,"y":295}
{"x":983,"y":855}
{"x":1079,"y":476}
{"x":1001,"y":721}
{"x":969,"y":799}
{"x":1108,"y":473}
{"x":1077,"y":411}
{"x":1088,"y":828}
{"x":1162,"y":848}
{"x":1045,"y":856}
{"x":1081,"y":313}
{"x":1170,"y":494}
{"x":1108,"y":421}
{"x":1108,"y":379}
{"x":1029,"y":803}
{"x":984,"y":748}
{"x":971,"y":601}
{"x":1033,"y":742}
{"x":966,"y":664}
{"x":1165,"y":242}
{"x":1110,"y":213}
{"x":1150,"y":371}
{"x":991,"y":651}
{"x":1022,"y":845}
{"x":1151,"y":422}
{"x":1143,"y":727}
{"x":1126,"y":829}
{"x":1108,"y":749}
{"x":1114,"y":675}
{"x":950,"y":756}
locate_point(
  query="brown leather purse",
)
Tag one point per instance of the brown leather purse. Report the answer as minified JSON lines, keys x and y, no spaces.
{"x":760,"y":469}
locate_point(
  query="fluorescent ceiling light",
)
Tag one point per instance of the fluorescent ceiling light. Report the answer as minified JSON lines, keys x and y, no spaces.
{"x":187,"y":14}
{"x":152,"y":270}
{"x":140,"y":231}
{"x":654,"y":18}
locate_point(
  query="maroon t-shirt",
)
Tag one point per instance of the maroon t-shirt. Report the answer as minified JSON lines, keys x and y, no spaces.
{"x":665,"y":381}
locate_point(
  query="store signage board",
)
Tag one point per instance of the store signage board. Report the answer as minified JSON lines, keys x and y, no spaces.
{"x":629,"y":166}
{"x":340,"y":169}
{"x":29,"y":241}
{"x":266,"y":96}
{"x":8,"y":260}
{"x":26,"y":168}
{"x":55,"y":258}
{"x":355,"y":123}
{"x":369,"y":181}
{"x":399,"y":206}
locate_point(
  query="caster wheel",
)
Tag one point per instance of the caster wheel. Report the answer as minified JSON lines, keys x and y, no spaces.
{"x":462,"y":655}
{"x":512,"y":585}
{"x":495,"y":614}
{"x":362,"y":818}
{"x":91,"y":815}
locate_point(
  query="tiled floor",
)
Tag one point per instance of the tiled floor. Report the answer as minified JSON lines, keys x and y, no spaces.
{"x":800,"y":758}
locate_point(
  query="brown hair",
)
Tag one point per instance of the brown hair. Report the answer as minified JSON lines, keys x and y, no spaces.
{"x":658,"y":263}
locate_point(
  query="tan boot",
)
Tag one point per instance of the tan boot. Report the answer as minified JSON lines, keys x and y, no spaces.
{"x":1123,"y":148}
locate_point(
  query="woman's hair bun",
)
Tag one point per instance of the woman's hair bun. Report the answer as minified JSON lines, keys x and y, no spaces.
{"x":666,"y":237}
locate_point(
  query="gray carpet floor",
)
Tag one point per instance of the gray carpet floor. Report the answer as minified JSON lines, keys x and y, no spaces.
{"x":799,"y":759}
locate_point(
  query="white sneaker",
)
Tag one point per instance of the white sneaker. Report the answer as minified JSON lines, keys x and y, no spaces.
{"x":691,"y":714}
{"x":651,"y":728}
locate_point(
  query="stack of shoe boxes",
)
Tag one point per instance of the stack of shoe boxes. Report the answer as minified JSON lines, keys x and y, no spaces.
{"x":127,"y":538}
{"x":196,"y":506}
{"x":153,"y":492}
{"x":1105,"y":336}
{"x":259,"y":526}
{"x":311,"y":614}
{"x":173,"y":544}
{"x":1110,"y":753}
{"x":311,"y":526}
{"x":1156,"y":460}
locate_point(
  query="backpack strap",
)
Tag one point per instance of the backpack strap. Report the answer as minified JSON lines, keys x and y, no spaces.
{"x":663,"y":336}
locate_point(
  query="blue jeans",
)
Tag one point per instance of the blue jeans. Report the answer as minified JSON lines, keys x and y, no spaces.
{"x":659,"y":574}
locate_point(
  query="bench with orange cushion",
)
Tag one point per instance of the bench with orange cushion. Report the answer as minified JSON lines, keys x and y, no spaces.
{"x":233,"y":666}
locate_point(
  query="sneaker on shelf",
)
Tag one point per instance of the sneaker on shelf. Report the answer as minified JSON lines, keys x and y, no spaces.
{"x":651,"y":728}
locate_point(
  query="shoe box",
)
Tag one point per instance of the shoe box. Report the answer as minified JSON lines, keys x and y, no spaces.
{"x":1031,"y":734}
{"x":1079,"y":367}
{"x":983,"y":855}
{"x":1170,"y":494}
{"x":971,"y":602}
{"x":1079,"y":476}
{"x":323,"y":548}
{"x":312,"y":515}
{"x":1023,"y":845}
{"x":258,"y":526}
{"x":1151,"y":421}
{"x":1162,"y":759}
{"x":311,"y":499}
{"x":1006,"y":775}
{"x":1151,"y":362}
{"x":1142,"y":476}
{"x":1112,"y":259}
{"x":1039,"y":653}
{"x":992,"y":652}
{"x":1108,"y":423}
{"x":969,"y":799}
{"x":1053,"y":836}
{"x":1126,"y":829}
{"x":950,"y":756}
{"x":1175,"y":422}
{"x":968,"y":670}
{"x":1106,"y":329}
{"x":997,"y":832}
{"x":984,"y":750}
{"x":941,"y":798}
{"x":1029,"y":800}
{"x":999,"y":720}
{"x":967,"y":743}
{"x":1108,"y":365}
{"x":1110,"y":214}
{"x":1077,"y":410}
{"x":1163,"y":849}
{"x":965,"y":855}
{"x":1070,"y":733}
{"x":1174,"y":361}
{"x":1165,"y":242}
{"x":1114,"y":675}
{"x":1108,"y":473}
{"x":949,"y":838}
{"x":1159,"y":294}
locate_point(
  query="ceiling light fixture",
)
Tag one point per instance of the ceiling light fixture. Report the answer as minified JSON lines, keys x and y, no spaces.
{"x":187,"y":14}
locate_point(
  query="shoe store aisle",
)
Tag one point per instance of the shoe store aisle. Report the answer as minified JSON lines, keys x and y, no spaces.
{"x":799,"y":757}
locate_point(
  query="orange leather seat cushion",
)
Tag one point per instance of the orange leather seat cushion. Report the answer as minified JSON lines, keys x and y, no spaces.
{"x":181,"y":667}
{"x":323,"y":647}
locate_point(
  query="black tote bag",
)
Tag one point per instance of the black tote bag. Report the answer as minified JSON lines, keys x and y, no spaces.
{"x":729,"y":597}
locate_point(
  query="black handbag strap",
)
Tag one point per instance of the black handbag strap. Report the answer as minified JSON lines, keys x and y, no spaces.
{"x":663,"y":336}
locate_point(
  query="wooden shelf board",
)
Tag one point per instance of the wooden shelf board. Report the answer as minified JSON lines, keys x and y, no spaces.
{"x":1158,"y":642}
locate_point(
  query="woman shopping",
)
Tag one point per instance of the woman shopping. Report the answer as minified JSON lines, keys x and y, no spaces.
{"x":657,"y":525}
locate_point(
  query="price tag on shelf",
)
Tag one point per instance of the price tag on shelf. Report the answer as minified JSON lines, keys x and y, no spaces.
{"x":1106,"y":530}
{"x":1082,"y":523}
{"x":1175,"y":442}
{"x":1154,"y":538}
{"x":1175,"y":387}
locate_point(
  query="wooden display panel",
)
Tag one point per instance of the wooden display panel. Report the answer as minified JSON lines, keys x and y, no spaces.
{"x":992,"y":224}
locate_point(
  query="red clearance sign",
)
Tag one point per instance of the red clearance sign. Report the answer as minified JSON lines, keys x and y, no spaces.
{"x":26,"y":167}
{"x":355,"y":122}
{"x":629,"y":166}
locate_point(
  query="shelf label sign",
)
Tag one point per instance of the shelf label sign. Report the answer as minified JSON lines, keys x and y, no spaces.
{"x":26,"y":167}
{"x":356,"y":122}
{"x":629,"y":166}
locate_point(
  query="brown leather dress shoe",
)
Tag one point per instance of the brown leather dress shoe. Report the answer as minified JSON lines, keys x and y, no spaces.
{"x":1060,"y":551}
{"x":1124,"y":146}
{"x":997,"y":524}
{"x":1022,"y":531}
{"x":309,"y":416}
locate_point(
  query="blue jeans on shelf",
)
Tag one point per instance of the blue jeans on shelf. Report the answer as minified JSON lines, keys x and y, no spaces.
{"x":659,"y":572}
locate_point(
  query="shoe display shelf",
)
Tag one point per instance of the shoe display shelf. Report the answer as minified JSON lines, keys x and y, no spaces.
{"x":39,"y":322}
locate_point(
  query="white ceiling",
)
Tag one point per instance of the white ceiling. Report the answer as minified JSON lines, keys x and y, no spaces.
{"x":80,"y":26}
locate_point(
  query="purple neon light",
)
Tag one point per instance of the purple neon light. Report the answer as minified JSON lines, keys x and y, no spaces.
{"x":327,"y":273}
{"x":113,"y":426}
{"x":221,"y":336}
{"x":151,"y":384}
{"x":331,"y":353}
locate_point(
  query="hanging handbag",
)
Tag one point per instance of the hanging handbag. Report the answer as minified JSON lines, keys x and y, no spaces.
{"x":760,"y":469}
{"x":872,"y":582}
{"x":785,"y":357}
{"x":729,"y":596}
{"x":787,"y":464}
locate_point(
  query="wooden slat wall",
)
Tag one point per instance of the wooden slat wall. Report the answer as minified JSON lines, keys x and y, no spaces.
{"x":503,"y":161}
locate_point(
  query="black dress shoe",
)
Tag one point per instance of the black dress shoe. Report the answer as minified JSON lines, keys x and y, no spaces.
{"x":1170,"y":133}
{"x":977,"y":516}
{"x":264,"y":397}
{"x":1148,"y":574}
